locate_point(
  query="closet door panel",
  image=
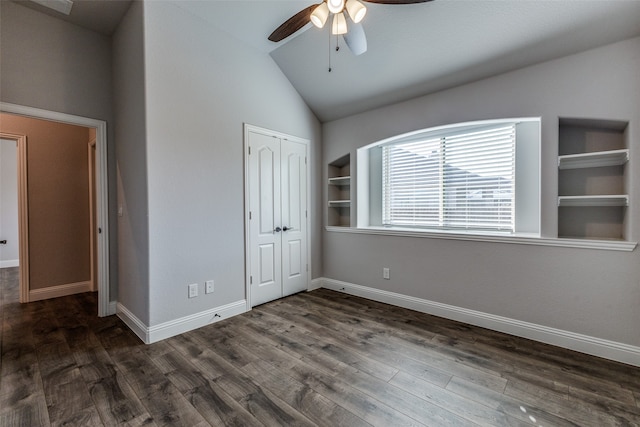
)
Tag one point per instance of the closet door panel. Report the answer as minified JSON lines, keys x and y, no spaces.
{"x":266,"y":241}
{"x":294,"y":211}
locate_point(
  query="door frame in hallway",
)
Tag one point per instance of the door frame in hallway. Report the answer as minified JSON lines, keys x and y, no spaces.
{"x":23,"y":223}
{"x":105,"y":308}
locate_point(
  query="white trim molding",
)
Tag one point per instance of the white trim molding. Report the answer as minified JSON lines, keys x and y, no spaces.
{"x":151,"y":334}
{"x":112,"y":308}
{"x":316,"y":284}
{"x":10,"y":263}
{"x":609,"y":245}
{"x":131,"y":320}
{"x":583,"y":343}
{"x":59,"y":291}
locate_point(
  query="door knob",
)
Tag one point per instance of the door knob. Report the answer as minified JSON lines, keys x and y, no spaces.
{"x":285,"y":228}
{"x":3,"y":242}
{"x":277,"y":229}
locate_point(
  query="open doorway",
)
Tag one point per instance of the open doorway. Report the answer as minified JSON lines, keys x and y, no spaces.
{"x":13,"y":212}
{"x":9,"y":248}
{"x":84,"y":212}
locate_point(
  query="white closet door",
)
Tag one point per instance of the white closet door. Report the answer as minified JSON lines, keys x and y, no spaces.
{"x":265,"y":237}
{"x":277,"y":175}
{"x":294,"y":223}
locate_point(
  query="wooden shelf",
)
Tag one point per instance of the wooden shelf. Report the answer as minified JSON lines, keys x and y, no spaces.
{"x":339,"y":192}
{"x":339,"y":203}
{"x":340,"y":181}
{"x":594,"y":160}
{"x":605,"y":200}
{"x":593,"y":185}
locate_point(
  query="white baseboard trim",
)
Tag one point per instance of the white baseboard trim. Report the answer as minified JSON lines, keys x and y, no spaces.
{"x":59,"y":291}
{"x":112,"y":308}
{"x":583,"y":343}
{"x":151,"y":334}
{"x":194,"y":321}
{"x":10,"y":263}
{"x":315,"y":284}
{"x":131,"y":320}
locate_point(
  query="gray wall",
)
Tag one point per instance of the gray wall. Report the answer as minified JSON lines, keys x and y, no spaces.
{"x":8,"y":202}
{"x":51,"y":64}
{"x":592,"y":292}
{"x":201,"y":86}
{"x":131,"y":153}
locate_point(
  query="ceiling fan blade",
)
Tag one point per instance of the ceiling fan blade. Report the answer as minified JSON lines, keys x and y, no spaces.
{"x":397,"y":1}
{"x":356,"y":39}
{"x":293,"y":24}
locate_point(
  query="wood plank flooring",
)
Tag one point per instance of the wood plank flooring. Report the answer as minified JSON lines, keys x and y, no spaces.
{"x":318,"y":358}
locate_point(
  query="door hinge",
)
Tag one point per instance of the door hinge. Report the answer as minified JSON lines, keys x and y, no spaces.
{"x":306,"y":214}
{"x":251,"y":280}
{"x":305,"y":160}
{"x":307,"y":267}
{"x":249,"y":215}
{"x":249,"y":150}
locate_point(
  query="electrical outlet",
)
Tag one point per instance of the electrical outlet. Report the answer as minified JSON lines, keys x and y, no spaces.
{"x":208,"y":287}
{"x":193,"y":290}
{"x":385,"y":273}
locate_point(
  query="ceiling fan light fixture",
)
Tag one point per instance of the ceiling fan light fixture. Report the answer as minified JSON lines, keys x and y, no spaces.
{"x":339,"y":24}
{"x":335,"y":6}
{"x":356,"y":10}
{"x":319,"y":15}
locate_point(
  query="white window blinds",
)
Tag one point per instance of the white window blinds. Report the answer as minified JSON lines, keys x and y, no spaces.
{"x":463,"y":180}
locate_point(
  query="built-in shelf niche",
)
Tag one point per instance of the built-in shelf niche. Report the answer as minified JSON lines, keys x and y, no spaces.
{"x":339,"y":192}
{"x":593,"y":179}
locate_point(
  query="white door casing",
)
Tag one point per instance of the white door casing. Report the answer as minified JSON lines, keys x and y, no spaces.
{"x":276,"y":215}
{"x":106,"y":307}
{"x":9,"y":199}
{"x":23,"y":213}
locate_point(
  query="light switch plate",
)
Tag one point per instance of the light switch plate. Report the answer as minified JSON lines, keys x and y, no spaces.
{"x":193,"y":290}
{"x":208,"y":287}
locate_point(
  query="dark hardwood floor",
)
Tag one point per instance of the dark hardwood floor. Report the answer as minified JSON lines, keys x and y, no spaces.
{"x":318,"y":358}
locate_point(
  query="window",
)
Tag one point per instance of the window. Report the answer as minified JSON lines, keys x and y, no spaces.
{"x":464,"y":180}
{"x":476,"y":177}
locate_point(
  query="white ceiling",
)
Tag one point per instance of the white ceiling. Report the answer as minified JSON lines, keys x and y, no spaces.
{"x":412,"y":49}
{"x":421,"y":48}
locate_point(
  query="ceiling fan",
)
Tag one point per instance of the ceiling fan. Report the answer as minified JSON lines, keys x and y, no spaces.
{"x":318,"y":14}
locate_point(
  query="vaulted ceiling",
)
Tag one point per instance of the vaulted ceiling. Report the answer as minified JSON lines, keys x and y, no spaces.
{"x":412,"y":49}
{"x":422,"y":48}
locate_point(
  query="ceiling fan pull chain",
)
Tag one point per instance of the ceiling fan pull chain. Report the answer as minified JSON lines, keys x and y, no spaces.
{"x":329,"y":52}
{"x":337,"y":49}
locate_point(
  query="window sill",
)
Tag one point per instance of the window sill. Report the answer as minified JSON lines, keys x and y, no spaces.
{"x":523,"y":239}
